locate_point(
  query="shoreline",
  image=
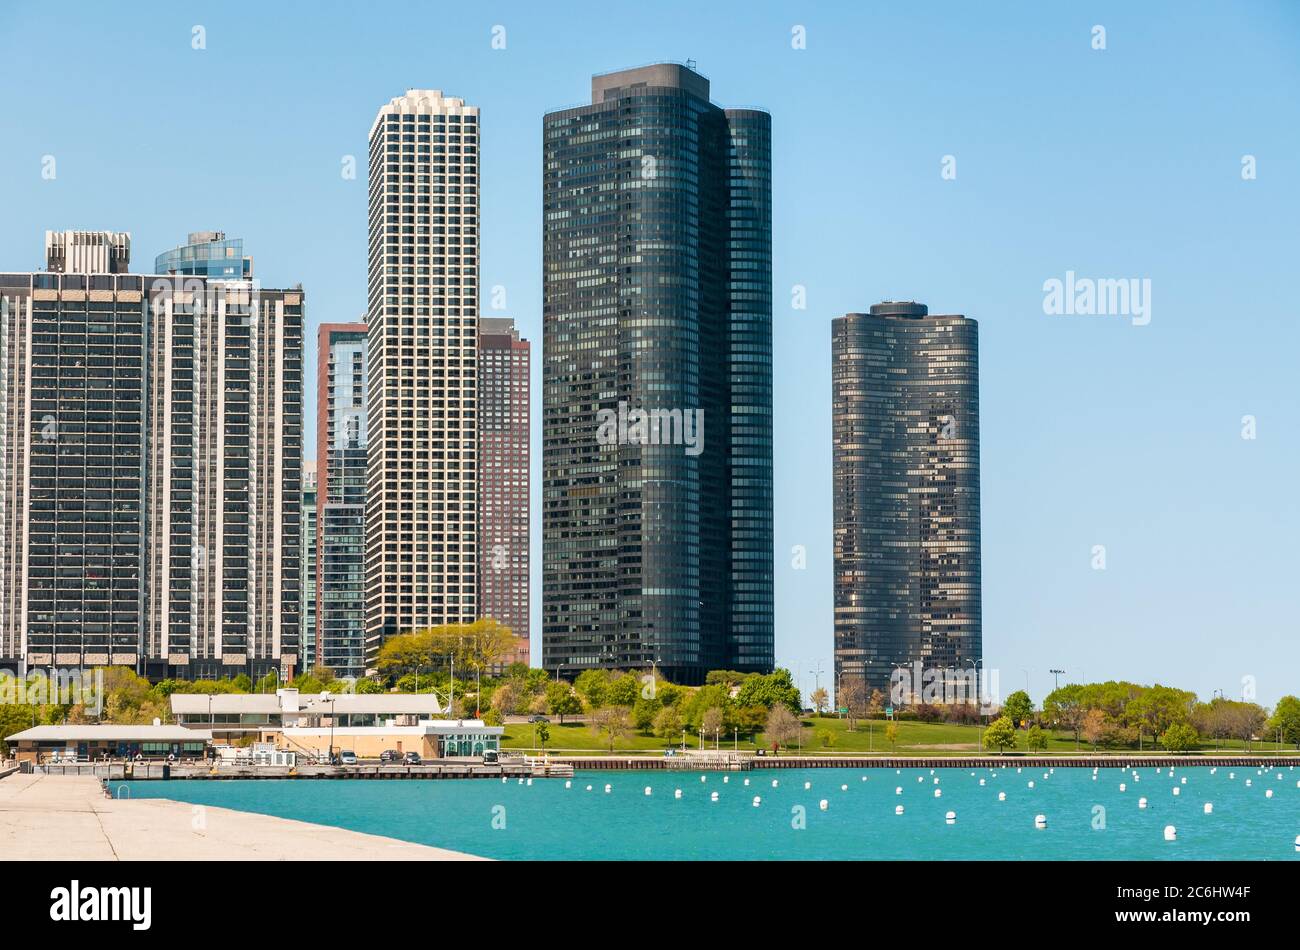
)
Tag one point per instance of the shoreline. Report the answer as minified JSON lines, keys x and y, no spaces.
{"x":69,"y":818}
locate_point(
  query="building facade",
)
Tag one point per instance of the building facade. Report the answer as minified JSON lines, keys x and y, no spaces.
{"x":309,"y":561}
{"x":207,"y":254}
{"x":341,"y":439}
{"x":905,"y":404}
{"x":504,"y":478}
{"x":657,"y":426}
{"x":422,"y":484}
{"x":152,"y":473}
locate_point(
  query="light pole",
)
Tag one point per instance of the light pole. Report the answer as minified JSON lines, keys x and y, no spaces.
{"x":817,"y":677}
{"x":330,"y":757}
{"x":1057,"y":674}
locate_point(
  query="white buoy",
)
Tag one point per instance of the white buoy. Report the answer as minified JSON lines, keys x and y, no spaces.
{"x":746,"y":781}
{"x":864,"y":778}
{"x":757,"y":801}
{"x":938,"y":793}
{"x":713,"y":796}
{"x":1269,"y":793}
{"x":1184,"y":781}
{"x":677,"y":793}
{"x":774,"y":783}
{"x":1209,"y":808}
{"x":568,"y":784}
{"x":1232,"y":775}
{"x":1214,"y":770}
{"x":1002,"y":796}
{"x":1123,"y":787}
{"x":1177,"y":789}
{"x":529,"y":782}
{"x":981,"y":781}
{"x":504,"y":780}
{"x":588,"y":788}
{"x":521,"y":781}
{"x":823,"y":804}
{"x":807,"y":785}
{"x":899,"y":790}
{"x":1040,"y":821}
{"x":1142,"y":803}
{"x":920,"y":778}
{"x":1094,"y":776}
{"x":1297,"y":842}
{"x":704,"y":778}
{"x":608,"y":789}
{"x":898,"y":810}
{"x":936,"y":781}
{"x":1248,"y":783}
{"x":648,"y":790}
{"x":1031,"y":783}
{"x":951,"y":818}
{"x":1171,"y":833}
{"x":726,"y":779}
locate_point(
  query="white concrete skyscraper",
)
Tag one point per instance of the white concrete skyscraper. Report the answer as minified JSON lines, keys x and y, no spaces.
{"x":422,"y":472}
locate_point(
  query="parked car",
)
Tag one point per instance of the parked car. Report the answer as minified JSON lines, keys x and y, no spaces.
{"x":411,"y":758}
{"x":347,"y":757}
{"x":538,"y":718}
{"x":390,"y":755}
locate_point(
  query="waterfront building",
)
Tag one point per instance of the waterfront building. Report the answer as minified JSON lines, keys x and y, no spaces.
{"x":89,"y":742}
{"x":231,"y":716}
{"x":905,"y":423}
{"x":423,"y":268}
{"x":504,"y":520}
{"x":657,"y":540}
{"x":207,"y":254}
{"x":151,"y":468}
{"x":341,"y":440}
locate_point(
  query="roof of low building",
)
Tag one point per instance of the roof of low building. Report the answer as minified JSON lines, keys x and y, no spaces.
{"x":108,"y":731}
{"x":293,"y":703}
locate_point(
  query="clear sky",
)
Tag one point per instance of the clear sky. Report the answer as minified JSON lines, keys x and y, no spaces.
{"x":1117,"y":163}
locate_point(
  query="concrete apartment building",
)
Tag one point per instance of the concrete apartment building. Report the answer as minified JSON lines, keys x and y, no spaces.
{"x":422,"y":317}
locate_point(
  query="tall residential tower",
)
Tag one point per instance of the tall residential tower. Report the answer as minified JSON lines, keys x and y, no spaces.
{"x":905,"y":421}
{"x":422,"y":484}
{"x":503,"y":478}
{"x":657,"y":527}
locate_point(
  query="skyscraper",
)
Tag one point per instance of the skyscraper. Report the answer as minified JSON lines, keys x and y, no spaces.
{"x":657,"y":531}
{"x":341,"y":439}
{"x":422,"y":484}
{"x":310,"y":580}
{"x":503,"y":478}
{"x":224,"y":470}
{"x":207,"y":254}
{"x":151,"y":467}
{"x":905,"y":404}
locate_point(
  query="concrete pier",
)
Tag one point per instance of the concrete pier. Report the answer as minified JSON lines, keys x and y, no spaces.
{"x":51,"y":817}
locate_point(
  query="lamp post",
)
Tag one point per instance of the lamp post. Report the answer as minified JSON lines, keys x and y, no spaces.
{"x":1057,"y":674}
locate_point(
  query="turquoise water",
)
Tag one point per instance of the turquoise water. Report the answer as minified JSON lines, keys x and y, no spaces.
{"x":546,"y":820}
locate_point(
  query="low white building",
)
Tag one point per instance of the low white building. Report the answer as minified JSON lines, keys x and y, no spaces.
{"x":236,"y":715}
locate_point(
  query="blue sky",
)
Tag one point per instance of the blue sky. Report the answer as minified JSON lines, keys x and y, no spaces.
{"x":1115,"y":163}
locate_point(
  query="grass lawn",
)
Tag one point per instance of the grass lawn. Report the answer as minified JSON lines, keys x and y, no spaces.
{"x":821,"y":736}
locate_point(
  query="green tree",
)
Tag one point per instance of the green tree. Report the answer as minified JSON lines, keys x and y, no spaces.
{"x":1018,"y":708}
{"x":1064,"y":707}
{"x":543,"y":733}
{"x":891,"y":735}
{"x":821,"y":699}
{"x":1036,"y":739}
{"x":624,"y":691}
{"x":1285,"y":721}
{"x":1180,"y":737}
{"x":561,"y":700}
{"x":668,"y":723}
{"x":591,"y":685}
{"x":1001,"y":734}
{"x":713,"y":723}
{"x":768,"y":691}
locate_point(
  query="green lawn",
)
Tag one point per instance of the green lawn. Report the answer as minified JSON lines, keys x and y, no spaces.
{"x":821,"y":736}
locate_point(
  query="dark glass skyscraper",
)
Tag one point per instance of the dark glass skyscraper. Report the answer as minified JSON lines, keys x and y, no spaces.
{"x":657,"y":538}
{"x":905,"y":391}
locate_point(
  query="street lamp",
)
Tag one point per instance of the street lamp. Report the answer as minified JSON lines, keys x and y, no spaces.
{"x":1057,"y":674}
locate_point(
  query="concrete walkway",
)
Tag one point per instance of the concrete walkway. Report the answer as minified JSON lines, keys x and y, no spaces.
{"x":68,"y":818}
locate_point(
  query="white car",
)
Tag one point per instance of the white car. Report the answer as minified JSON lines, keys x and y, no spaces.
{"x":347,"y":757}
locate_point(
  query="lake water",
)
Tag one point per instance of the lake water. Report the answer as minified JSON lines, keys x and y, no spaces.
{"x":1087,"y":819}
